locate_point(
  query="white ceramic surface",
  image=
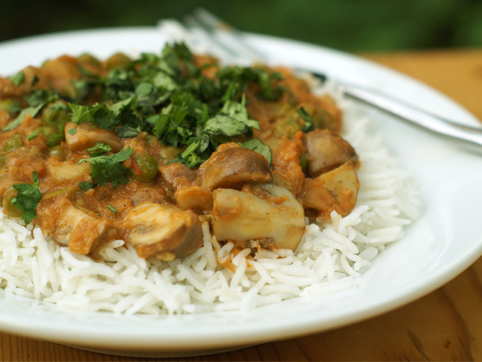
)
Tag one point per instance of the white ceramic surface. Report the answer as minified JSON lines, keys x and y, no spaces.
{"x":440,"y":245}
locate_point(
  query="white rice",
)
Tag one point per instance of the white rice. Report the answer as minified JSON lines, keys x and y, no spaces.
{"x":329,"y":259}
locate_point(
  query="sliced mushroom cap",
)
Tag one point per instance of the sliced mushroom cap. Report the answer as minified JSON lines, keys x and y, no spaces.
{"x":163,"y":231}
{"x":326,"y":151}
{"x":87,"y":135}
{"x":271,"y":212}
{"x":234,"y":167}
{"x":177,"y":175}
{"x":335,"y":190}
{"x":82,"y":232}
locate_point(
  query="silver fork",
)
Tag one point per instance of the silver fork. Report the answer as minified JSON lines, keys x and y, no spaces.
{"x":217,"y":33}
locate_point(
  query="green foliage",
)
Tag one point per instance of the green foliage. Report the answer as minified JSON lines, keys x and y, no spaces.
{"x":109,"y":168}
{"x":27,"y":198}
{"x":350,"y":25}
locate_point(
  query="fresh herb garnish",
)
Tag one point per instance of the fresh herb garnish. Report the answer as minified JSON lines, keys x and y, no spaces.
{"x":108,"y":168}
{"x":27,"y":198}
{"x":308,"y":126}
{"x":17,"y":79}
{"x":41,"y":97}
{"x":33,"y":135}
{"x":99,"y":149}
{"x":72,"y":131}
{"x":34,"y":80}
{"x":86,"y":186}
{"x":29,"y":111}
{"x":167,"y":96}
{"x":256,"y":145}
{"x":113,"y":209}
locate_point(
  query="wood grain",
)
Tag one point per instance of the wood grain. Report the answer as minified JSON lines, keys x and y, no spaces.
{"x":444,"y":325}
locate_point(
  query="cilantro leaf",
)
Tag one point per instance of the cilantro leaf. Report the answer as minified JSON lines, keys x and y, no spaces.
{"x":309,"y":126}
{"x":108,"y":168}
{"x":29,"y":111}
{"x":113,"y":209}
{"x":41,"y":97}
{"x":27,"y":198}
{"x":72,"y":131}
{"x":96,"y":113}
{"x":256,"y":145}
{"x":86,"y":186}
{"x":225,"y":125}
{"x":33,"y":135}
{"x":99,"y":149}
{"x":231,"y":121}
{"x":34,"y":80}
{"x":17,"y":79}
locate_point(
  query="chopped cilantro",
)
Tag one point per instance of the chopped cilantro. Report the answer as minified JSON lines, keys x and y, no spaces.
{"x":108,"y":168}
{"x":34,"y":80}
{"x":15,"y":107}
{"x":72,"y":131}
{"x":113,"y":209}
{"x":34,"y":134}
{"x":167,"y":96}
{"x":27,"y":198}
{"x":95,"y":113}
{"x":86,"y":186}
{"x":99,"y":149}
{"x":256,"y":145}
{"x":17,"y":79}
{"x":29,"y":111}
{"x":309,"y":126}
{"x":41,"y":97}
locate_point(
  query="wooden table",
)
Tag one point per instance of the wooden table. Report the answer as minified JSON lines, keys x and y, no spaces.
{"x":444,"y":325}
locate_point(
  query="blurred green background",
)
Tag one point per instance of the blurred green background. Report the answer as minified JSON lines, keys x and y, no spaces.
{"x":348,"y":25}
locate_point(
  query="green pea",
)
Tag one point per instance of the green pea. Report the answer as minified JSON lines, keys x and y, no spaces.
{"x":117,"y":61}
{"x":88,"y":58}
{"x":56,"y":115}
{"x":55,"y":139}
{"x":147,"y":166}
{"x":14,"y":142}
{"x":9,"y":105}
{"x":47,"y":130}
{"x":8,"y":208}
{"x":58,"y":151}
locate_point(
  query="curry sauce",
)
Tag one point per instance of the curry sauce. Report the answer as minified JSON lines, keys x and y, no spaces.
{"x":147,"y":149}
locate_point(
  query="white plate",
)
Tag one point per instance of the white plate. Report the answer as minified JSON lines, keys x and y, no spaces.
{"x":440,"y":245}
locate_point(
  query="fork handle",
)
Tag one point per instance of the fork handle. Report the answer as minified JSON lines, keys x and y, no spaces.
{"x":464,"y":136}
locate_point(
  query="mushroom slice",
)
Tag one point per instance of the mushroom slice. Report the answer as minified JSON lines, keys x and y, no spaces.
{"x":335,"y":190}
{"x":87,"y":135}
{"x":163,"y":231}
{"x":82,"y":232}
{"x":234,"y":167}
{"x":326,"y":151}
{"x":266,"y":212}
